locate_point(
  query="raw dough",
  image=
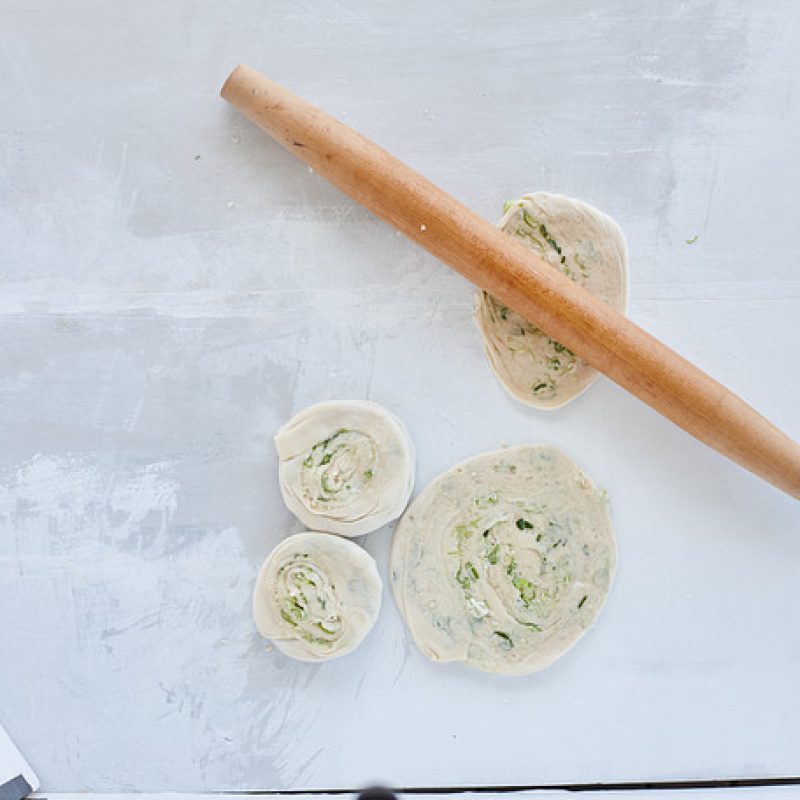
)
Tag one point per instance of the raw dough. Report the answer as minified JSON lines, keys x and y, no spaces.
{"x":345,"y":467}
{"x":504,"y":561}
{"x":317,"y":596}
{"x":589,"y":248}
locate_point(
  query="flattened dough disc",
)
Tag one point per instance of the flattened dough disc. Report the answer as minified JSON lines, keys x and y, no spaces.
{"x":504,"y":561}
{"x":589,"y":248}
{"x":317,"y":596}
{"x":346,"y":467}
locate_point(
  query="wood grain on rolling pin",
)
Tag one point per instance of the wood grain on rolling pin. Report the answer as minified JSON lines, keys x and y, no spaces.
{"x":495,"y":262}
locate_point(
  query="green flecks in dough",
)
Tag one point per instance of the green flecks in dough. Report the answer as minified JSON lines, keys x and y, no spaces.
{"x":322,"y":627}
{"x":465,"y":531}
{"x":693,"y":239}
{"x":317,"y":640}
{"x":504,"y":641}
{"x":307,"y":602}
{"x":527,"y":590}
{"x":492,"y":553}
{"x":321,"y":454}
{"x":523,"y":524}
{"x":544,"y":387}
{"x":325,"y":442}
{"x":582,"y":266}
{"x":548,"y":238}
{"x":505,"y":466}
{"x":288,"y":618}
{"x":560,"y":348}
{"x":466,"y":575}
{"x":524,"y":233}
{"x":292,"y":611}
{"x":567,"y":272}
{"x":507,"y":205}
{"x":484,"y":502}
{"x":583,"y":600}
{"x":336,"y":468}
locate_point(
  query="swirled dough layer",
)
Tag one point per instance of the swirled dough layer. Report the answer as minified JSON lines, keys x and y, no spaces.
{"x":585,"y":245}
{"x":345,"y":467}
{"x":317,"y":596}
{"x":504,"y":561}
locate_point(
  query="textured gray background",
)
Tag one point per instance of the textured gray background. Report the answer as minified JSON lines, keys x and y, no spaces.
{"x":174,"y":286}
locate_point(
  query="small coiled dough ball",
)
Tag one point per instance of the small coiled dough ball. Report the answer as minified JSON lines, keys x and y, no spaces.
{"x":317,"y":596}
{"x":345,"y":467}
{"x":504,"y":561}
{"x":585,"y":245}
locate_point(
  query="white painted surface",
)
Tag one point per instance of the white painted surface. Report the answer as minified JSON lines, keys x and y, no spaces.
{"x":175,"y":287}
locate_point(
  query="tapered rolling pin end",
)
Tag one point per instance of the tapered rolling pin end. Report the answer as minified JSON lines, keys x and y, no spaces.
{"x":267,"y":104}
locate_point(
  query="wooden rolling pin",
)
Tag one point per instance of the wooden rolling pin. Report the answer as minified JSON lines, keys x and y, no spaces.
{"x":502,"y":266}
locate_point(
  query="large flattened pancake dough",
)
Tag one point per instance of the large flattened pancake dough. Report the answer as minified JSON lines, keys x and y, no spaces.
{"x":504,"y":561}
